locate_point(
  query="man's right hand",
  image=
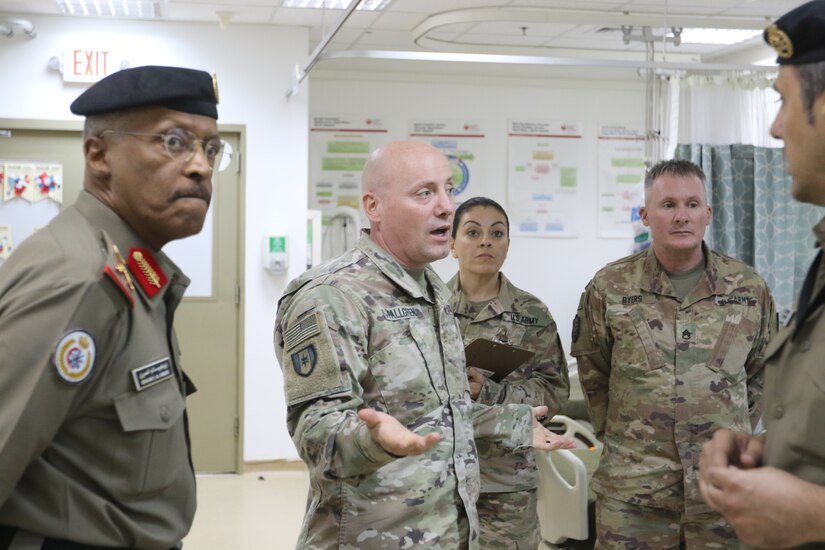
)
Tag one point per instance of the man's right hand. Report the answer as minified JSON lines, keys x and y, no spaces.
{"x":728,"y":448}
{"x":393,"y":436}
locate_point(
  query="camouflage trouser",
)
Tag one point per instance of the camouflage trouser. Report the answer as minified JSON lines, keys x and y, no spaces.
{"x":508,"y":521}
{"x":624,"y":526}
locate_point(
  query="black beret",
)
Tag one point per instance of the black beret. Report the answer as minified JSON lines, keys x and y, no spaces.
{"x":798,"y":35}
{"x":176,"y":88}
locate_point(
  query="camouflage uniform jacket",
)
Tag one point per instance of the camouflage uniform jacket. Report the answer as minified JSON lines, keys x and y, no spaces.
{"x":358,"y":332}
{"x":520,"y":319}
{"x":795,"y":389}
{"x":660,"y":375}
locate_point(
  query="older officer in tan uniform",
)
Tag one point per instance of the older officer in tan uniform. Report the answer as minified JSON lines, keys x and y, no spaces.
{"x":94,"y":449}
{"x":376,"y":388}
{"x":772,"y":488}
{"x":669,"y":345}
{"x":487,"y":305}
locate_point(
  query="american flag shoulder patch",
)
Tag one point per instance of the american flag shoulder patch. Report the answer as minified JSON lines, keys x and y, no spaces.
{"x":304,"y":329}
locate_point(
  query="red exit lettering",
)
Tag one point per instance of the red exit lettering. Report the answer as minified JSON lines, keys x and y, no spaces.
{"x":89,"y":63}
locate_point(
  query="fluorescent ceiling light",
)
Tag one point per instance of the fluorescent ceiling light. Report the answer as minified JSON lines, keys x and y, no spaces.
{"x":724,"y":37}
{"x":369,"y":5}
{"x":137,"y":9}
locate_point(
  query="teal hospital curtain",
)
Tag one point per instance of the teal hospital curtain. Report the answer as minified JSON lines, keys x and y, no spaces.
{"x":755,"y":219}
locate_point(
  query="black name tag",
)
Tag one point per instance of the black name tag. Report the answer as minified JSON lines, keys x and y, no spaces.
{"x":151,"y":374}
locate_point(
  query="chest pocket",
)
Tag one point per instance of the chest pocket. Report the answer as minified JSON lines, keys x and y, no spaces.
{"x":408,"y":385}
{"x":150,"y":455}
{"x":635,"y":352}
{"x":734,"y":343}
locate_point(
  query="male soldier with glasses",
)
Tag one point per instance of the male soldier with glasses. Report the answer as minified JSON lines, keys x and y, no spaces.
{"x":94,"y":447}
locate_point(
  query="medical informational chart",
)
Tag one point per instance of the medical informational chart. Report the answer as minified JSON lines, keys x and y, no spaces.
{"x":544,"y":164}
{"x":621,"y":179}
{"x":463,"y":142}
{"x":339,"y":147}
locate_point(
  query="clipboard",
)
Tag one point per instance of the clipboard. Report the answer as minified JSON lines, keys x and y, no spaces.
{"x":496,"y":359}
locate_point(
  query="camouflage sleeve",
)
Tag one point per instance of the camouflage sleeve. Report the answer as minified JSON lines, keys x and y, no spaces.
{"x":498,"y":429}
{"x":592,"y":347}
{"x":755,"y":362}
{"x":548,"y":383}
{"x":320,"y":340}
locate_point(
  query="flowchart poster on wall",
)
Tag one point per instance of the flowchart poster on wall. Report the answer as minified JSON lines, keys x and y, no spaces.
{"x":339,"y":148}
{"x":544,"y":164}
{"x":621,"y":179}
{"x":463,"y":144}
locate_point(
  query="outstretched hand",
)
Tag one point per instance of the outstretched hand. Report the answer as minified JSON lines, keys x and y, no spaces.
{"x":546,"y":440}
{"x":393,"y":436}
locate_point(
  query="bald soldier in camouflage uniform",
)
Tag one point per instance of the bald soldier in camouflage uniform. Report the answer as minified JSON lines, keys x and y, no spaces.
{"x":669,"y":345}
{"x":487,"y":305}
{"x":376,"y":388}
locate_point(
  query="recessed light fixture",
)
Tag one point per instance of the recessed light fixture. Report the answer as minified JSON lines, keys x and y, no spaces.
{"x":135,"y":9}
{"x":723,"y":37}
{"x":368,"y":5}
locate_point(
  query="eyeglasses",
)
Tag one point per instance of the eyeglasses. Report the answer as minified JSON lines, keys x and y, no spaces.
{"x":180,"y":144}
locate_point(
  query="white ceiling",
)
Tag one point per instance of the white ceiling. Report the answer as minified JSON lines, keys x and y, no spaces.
{"x":553,"y":28}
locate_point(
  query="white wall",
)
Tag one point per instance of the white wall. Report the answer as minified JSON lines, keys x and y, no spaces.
{"x":556,"y":270}
{"x":254,"y":64}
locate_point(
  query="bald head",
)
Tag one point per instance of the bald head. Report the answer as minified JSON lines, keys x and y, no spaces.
{"x":393,"y":160}
{"x":408,"y":199}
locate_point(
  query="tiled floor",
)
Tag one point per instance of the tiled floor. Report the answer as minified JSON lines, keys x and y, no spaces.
{"x":258,"y":510}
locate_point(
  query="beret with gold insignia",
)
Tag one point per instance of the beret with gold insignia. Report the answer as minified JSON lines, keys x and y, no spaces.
{"x":797,"y":36}
{"x":187,"y":90}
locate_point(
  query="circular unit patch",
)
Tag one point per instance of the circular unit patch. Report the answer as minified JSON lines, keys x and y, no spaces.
{"x":74,"y":356}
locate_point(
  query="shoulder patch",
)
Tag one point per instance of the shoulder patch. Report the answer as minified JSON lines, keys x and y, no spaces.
{"x":74,"y":356}
{"x":304,"y":360}
{"x":309,"y":361}
{"x":576,"y":328}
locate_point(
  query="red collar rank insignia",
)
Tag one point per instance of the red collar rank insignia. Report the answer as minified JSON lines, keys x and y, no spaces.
{"x":146,"y":270}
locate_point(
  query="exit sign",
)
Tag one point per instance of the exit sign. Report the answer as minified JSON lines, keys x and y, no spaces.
{"x":82,"y":65}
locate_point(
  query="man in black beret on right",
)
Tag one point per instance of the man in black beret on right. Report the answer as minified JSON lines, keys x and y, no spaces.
{"x":771,"y":487}
{"x":94,"y":447}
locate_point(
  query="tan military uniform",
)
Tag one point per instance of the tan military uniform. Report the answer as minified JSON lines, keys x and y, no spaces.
{"x":359,"y":332}
{"x":661,"y":375}
{"x":93,"y":443}
{"x":520,"y":319}
{"x":795,"y":387}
